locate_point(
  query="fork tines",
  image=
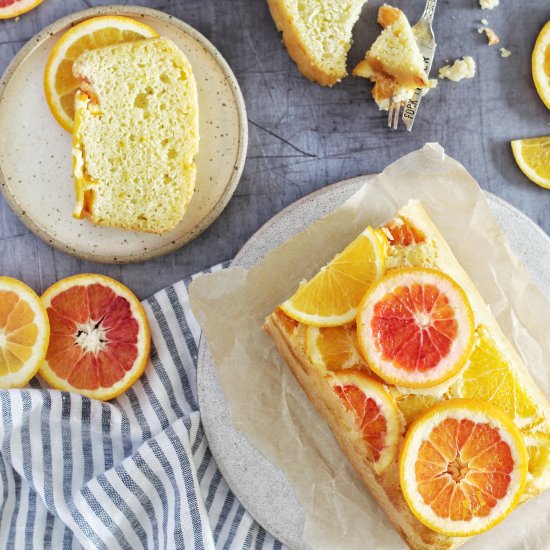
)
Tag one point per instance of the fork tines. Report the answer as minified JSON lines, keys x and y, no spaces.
{"x":394,"y":111}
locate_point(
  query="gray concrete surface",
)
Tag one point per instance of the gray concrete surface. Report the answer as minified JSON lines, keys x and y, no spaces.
{"x":303,"y":137}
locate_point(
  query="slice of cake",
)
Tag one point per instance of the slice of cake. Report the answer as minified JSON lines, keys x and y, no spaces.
{"x":317,"y":35}
{"x":394,"y":62}
{"x":135,"y":136}
{"x":434,"y":408}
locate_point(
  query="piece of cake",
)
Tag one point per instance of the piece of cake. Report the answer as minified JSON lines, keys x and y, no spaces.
{"x":393,"y":335}
{"x":459,"y":70}
{"x":394,"y":62}
{"x":135,"y":135}
{"x":317,"y":35}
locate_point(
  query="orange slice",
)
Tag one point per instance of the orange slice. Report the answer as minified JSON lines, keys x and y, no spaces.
{"x":370,"y":414}
{"x":401,"y":232}
{"x":463,"y":467}
{"x":489,"y":376}
{"x":332,"y":296}
{"x":538,"y":451}
{"x":100,"y":341}
{"x":334,"y":348}
{"x":60,"y":85}
{"x":533,"y":158}
{"x":415,"y":327}
{"x":540,"y":64}
{"x":24,"y":333}
{"x":14,"y":8}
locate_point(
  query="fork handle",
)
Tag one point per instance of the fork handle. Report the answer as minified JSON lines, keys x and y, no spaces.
{"x":429,"y":10}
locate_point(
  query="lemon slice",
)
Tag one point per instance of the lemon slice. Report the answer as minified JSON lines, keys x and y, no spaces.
{"x":540,"y":64}
{"x":24,"y":333}
{"x":60,"y":85}
{"x":533,"y":158}
{"x":332,"y":296}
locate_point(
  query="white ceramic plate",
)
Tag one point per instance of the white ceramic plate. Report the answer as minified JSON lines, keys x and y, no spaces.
{"x":261,"y":487}
{"x":35,"y":152}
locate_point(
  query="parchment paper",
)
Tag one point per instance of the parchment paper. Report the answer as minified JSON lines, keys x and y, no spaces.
{"x":267,"y":404}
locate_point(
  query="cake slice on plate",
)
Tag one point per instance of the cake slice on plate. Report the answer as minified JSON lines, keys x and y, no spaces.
{"x":135,"y":136}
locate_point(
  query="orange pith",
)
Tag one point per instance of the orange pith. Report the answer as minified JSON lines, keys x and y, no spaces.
{"x":463,"y":469}
{"x":99,"y":340}
{"x":404,"y":340}
{"x":368,"y":416}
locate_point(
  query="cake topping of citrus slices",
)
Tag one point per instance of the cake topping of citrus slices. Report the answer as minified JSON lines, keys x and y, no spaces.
{"x":371,"y":414}
{"x":415,"y":327}
{"x":60,"y":84}
{"x":99,"y":343}
{"x":462,"y":467}
{"x":490,"y":376}
{"x":334,"y":348}
{"x":24,"y":332}
{"x":332,"y":296}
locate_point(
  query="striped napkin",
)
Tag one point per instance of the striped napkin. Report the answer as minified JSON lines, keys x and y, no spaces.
{"x":132,"y":473}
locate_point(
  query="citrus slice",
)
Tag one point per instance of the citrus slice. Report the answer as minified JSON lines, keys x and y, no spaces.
{"x":412,"y":405}
{"x":489,"y":376}
{"x":332,"y":296}
{"x":415,"y":327}
{"x":100,"y":341}
{"x":334,"y":348}
{"x":24,"y":333}
{"x":540,"y":64}
{"x":538,"y":451}
{"x":60,"y":85}
{"x":401,"y":232}
{"x":13,"y":8}
{"x":370,"y":414}
{"x":533,"y":158}
{"x":462,"y":467}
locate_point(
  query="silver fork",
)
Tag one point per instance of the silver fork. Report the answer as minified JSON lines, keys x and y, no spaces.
{"x":424,"y":34}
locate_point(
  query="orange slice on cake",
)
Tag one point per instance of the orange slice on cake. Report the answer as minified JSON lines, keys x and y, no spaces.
{"x":463,"y":467}
{"x":371,"y":415}
{"x":24,"y":333}
{"x":332,"y":296}
{"x":100,"y":341}
{"x":415,"y":327}
{"x":60,"y":85}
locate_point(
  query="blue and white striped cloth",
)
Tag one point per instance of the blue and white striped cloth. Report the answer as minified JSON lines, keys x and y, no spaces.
{"x":132,"y":473}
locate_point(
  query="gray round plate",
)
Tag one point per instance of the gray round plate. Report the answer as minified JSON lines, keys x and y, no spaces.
{"x":35,"y":154}
{"x":261,"y":487}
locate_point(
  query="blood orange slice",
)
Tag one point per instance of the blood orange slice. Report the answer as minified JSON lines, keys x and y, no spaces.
{"x":100,"y":340}
{"x":463,"y":467}
{"x":370,"y":413}
{"x":415,"y":327}
{"x":13,"y":8}
{"x":401,"y":232}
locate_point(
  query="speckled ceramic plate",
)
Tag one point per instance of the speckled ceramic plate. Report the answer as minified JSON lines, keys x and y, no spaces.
{"x":261,"y":487}
{"x":35,"y":152}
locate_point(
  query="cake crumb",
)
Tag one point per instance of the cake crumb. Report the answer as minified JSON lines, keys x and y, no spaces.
{"x":17,"y":19}
{"x":460,"y":69}
{"x":505,"y":53}
{"x":492,"y":37}
{"x":484,"y":21}
{"x":488,"y":4}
